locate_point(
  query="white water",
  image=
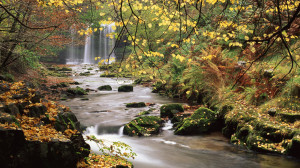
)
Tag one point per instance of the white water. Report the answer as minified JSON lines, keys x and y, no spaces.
{"x":97,"y":44}
{"x":87,"y":49}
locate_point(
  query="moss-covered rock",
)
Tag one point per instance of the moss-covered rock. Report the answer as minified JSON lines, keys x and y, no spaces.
{"x":85,"y":73}
{"x":143,"y":126}
{"x":168,"y":110}
{"x":76,"y":91}
{"x":289,"y":117}
{"x":294,"y":147}
{"x":105,"y":87}
{"x":136,"y":105}
{"x":64,"y":69}
{"x":108,"y":75}
{"x":125,"y":88}
{"x":201,"y":121}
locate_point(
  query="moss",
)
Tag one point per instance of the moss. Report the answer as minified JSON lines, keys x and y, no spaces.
{"x":144,"y":113}
{"x":143,"y":126}
{"x":136,"y":105}
{"x":289,"y":117}
{"x":125,"y":88}
{"x":85,"y":73}
{"x":64,"y":69}
{"x":108,"y":75}
{"x":105,"y":67}
{"x":90,"y":69}
{"x":105,"y":87}
{"x":293,"y":148}
{"x":77,"y":91}
{"x":201,"y":121}
{"x":168,"y":110}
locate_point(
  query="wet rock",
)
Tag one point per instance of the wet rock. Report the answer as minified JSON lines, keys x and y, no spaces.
{"x":15,"y":151}
{"x":143,"y":126}
{"x":37,"y":111}
{"x":272,"y":112}
{"x":75,"y":83}
{"x":201,"y":121}
{"x":294,"y":148}
{"x":268,"y":73}
{"x":289,"y":117}
{"x":37,"y":97}
{"x":64,"y":69}
{"x":105,"y":87}
{"x":168,"y":110}
{"x":85,"y":73}
{"x":125,"y":88}
{"x":76,"y":91}
{"x":136,"y":105}
{"x":12,"y":109}
{"x":7,"y":118}
{"x":65,"y":120}
{"x":109,"y":75}
{"x":85,"y":98}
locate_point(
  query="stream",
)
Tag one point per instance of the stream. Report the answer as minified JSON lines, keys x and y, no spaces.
{"x":104,"y":115}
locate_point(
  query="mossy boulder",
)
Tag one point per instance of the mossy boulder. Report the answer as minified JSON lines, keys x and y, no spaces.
{"x":105,"y":88}
{"x":289,"y":117}
{"x":64,"y":69}
{"x":143,"y":126}
{"x":76,"y":91}
{"x":66,"y":120}
{"x":168,"y":110}
{"x":108,"y":75}
{"x":294,"y":147}
{"x":136,"y":105}
{"x":125,"y":88}
{"x":85,"y":73}
{"x":201,"y":121}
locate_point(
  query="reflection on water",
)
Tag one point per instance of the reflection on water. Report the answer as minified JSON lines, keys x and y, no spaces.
{"x":165,"y":150}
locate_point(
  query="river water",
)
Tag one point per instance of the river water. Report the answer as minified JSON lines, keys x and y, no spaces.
{"x":104,"y":115}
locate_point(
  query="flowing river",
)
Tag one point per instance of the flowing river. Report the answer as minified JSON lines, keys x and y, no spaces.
{"x":104,"y":115}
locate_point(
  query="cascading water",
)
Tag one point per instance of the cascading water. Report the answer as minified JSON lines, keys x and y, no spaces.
{"x":107,"y":43}
{"x":87,"y":49}
{"x":97,"y":44}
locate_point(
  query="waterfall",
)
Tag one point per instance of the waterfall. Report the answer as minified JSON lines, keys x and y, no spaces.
{"x":106,"y":43}
{"x":71,"y":51}
{"x":87,"y":49}
{"x":96,"y":45}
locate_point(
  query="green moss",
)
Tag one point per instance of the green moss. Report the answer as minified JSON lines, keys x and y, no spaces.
{"x":77,"y":91}
{"x":105,"y":87}
{"x":64,"y":69}
{"x":125,"y":88}
{"x":144,"y":113}
{"x":168,"y":110}
{"x":136,"y":105}
{"x":143,"y":126}
{"x":108,"y":75}
{"x":289,"y":117}
{"x":201,"y":121}
{"x":85,"y":73}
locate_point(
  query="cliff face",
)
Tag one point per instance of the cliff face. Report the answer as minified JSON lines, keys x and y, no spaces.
{"x":35,"y":132}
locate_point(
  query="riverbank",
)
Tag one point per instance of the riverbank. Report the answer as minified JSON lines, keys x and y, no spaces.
{"x":270,"y":127}
{"x":104,"y":113}
{"x":37,"y":131}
